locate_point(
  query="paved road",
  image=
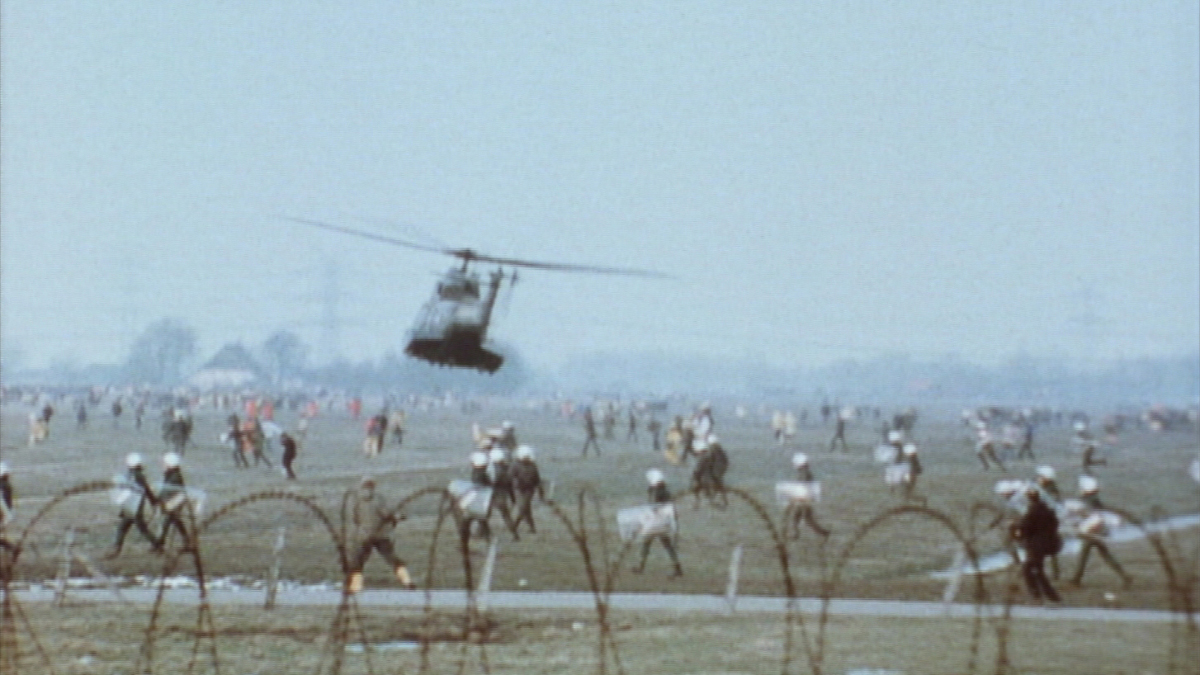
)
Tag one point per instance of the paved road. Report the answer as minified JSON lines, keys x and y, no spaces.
{"x":711,"y":604}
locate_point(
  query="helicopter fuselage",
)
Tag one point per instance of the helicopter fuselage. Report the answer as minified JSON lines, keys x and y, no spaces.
{"x":451,"y":328}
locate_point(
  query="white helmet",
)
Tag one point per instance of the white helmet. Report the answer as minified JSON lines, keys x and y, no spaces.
{"x":699,"y":445}
{"x":1088,"y":485}
{"x":799,"y":459}
{"x":1080,"y":425}
{"x":506,"y":425}
{"x":1046,"y":472}
{"x":523,"y":452}
{"x":479,"y":459}
{"x":497,"y":455}
{"x":712,"y":439}
{"x":4,"y":469}
{"x":171,"y":460}
{"x":894,"y":436}
{"x":910,"y":449}
{"x":654,"y":476}
{"x":133,"y":459}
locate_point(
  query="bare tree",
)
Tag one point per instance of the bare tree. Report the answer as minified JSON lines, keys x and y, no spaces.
{"x":285,"y":354}
{"x":160,"y":352}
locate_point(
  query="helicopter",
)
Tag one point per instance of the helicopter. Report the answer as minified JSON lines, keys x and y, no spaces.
{"x":451,"y":328}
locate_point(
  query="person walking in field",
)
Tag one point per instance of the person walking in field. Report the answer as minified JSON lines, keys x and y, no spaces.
{"x":589,"y":428}
{"x":173,"y":498}
{"x":503,"y":495}
{"x":132,"y":511}
{"x":526,"y":481}
{"x":1089,"y":494}
{"x":839,"y":433}
{"x":1038,"y":533}
{"x":289,"y":454}
{"x":372,"y":523}
{"x":660,"y":496}
{"x":798,"y":511}
{"x":985,"y":447}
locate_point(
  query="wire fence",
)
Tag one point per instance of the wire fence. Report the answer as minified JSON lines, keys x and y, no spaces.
{"x":603,"y":558}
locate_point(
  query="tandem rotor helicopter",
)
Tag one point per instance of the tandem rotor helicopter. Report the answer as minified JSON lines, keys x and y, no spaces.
{"x":451,"y":328}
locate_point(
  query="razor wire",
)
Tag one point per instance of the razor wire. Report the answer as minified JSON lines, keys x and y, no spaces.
{"x":602,"y":564}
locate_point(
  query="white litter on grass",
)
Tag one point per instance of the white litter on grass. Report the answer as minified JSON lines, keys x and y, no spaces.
{"x":384,"y":647}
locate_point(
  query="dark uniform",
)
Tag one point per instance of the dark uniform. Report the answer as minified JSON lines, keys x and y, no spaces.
{"x":173,"y":497}
{"x":1038,"y":533}
{"x":589,"y":427}
{"x":526,"y":482}
{"x":135,"y":478}
{"x":289,"y":454}
{"x":235,"y":438}
{"x":659,"y":494}
{"x":502,"y":490}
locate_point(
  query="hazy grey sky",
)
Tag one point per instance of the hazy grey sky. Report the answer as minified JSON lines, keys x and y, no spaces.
{"x":824,"y":180}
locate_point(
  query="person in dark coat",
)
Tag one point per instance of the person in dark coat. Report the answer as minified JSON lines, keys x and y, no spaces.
{"x":659,"y":495}
{"x":289,"y":454}
{"x":503,"y":495}
{"x":1038,"y":533}
{"x":6,"y":500}
{"x":589,"y":427}
{"x":173,"y":497}
{"x":135,"y":479}
{"x":526,"y":482}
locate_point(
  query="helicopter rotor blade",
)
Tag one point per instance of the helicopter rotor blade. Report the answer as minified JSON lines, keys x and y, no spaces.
{"x":469,"y":255}
{"x":565,"y":267}
{"x":372,"y":236}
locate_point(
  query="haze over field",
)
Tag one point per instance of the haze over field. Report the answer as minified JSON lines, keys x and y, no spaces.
{"x":824,"y":180}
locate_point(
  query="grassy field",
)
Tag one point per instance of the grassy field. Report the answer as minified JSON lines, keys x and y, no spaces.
{"x":1145,"y":476}
{"x":87,"y":639}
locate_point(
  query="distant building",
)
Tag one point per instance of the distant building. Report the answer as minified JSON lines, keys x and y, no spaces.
{"x":230,"y":368}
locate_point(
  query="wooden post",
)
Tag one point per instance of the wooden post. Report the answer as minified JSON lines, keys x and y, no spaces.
{"x":731,"y":589}
{"x":273,"y":572}
{"x":485,"y":579}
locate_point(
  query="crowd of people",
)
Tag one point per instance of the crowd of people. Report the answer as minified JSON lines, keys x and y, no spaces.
{"x":503,"y":477}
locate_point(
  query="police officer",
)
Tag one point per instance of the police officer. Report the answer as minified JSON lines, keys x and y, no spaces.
{"x":659,"y":495}
{"x":502,"y":488}
{"x":373,"y":522}
{"x":908,"y":454}
{"x":526,"y":482}
{"x":985,"y":447}
{"x":709,"y":475}
{"x":173,"y":498}
{"x":1038,"y":533}
{"x":1089,"y":494}
{"x":135,"y":478}
{"x":802,"y":510}
{"x":508,"y":436}
{"x":481,"y":478}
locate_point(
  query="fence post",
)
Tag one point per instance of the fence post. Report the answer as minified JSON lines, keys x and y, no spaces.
{"x":64,"y":567}
{"x":731,"y":589}
{"x":956,"y":573}
{"x":273,"y":572}
{"x":485,"y":579}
